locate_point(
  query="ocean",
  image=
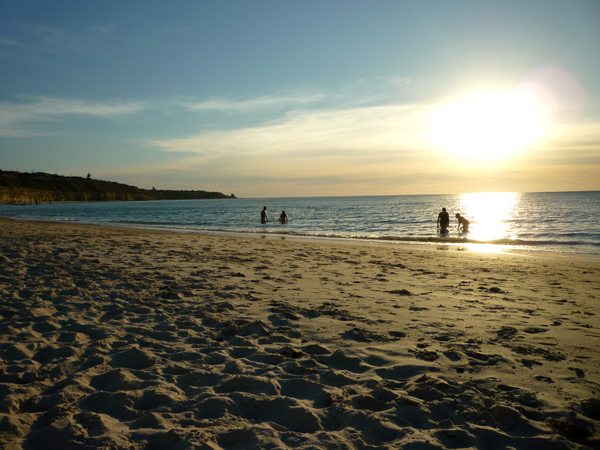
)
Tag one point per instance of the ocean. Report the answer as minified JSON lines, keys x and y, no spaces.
{"x":565,"y":222}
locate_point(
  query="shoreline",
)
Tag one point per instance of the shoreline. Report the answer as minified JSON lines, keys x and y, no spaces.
{"x":456,"y":244}
{"x":136,"y":338}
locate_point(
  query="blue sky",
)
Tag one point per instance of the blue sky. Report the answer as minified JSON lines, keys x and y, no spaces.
{"x":278,"y":98}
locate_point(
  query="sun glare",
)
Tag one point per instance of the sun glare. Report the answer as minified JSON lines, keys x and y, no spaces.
{"x":490,"y":213}
{"x":488,"y":125}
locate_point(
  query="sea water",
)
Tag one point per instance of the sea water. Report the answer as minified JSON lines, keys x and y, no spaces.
{"x":559,"y":222}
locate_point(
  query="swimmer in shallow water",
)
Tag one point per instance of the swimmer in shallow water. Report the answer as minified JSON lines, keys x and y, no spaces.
{"x":263,"y":215}
{"x":443,"y":221}
{"x":463,"y":224}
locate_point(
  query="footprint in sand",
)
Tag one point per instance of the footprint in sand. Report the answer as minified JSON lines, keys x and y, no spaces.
{"x":579,"y":372}
{"x":535,"y":330}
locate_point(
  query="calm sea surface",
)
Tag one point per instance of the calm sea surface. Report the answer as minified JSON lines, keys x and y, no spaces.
{"x":559,"y":222}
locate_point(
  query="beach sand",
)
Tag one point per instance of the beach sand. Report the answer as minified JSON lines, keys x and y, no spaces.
{"x":118,"y":338}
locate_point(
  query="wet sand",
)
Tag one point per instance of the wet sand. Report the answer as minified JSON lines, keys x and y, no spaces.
{"x":121,"y":338}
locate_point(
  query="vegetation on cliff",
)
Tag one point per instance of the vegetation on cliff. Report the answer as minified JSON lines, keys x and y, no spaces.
{"x":34,"y":188}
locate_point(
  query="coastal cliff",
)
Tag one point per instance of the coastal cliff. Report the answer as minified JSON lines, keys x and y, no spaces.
{"x":34,"y":188}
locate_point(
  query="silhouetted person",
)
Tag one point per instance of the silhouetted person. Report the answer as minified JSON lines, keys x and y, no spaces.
{"x":283,"y":218}
{"x":263,"y":215}
{"x":443,"y":221}
{"x":463,"y":223}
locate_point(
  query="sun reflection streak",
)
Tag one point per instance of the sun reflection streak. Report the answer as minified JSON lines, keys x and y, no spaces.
{"x":490,"y":214}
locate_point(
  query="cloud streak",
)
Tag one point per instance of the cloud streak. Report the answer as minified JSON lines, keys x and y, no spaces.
{"x":265,"y":102}
{"x":364,"y":145}
{"x":373,"y":128}
{"x":105,"y":29}
{"x":8,"y":42}
{"x":20,"y":119}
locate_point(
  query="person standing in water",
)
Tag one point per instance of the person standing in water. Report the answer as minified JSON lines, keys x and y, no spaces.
{"x":263,"y":215}
{"x":443,"y":221}
{"x":463,"y":223}
{"x":283,"y":218}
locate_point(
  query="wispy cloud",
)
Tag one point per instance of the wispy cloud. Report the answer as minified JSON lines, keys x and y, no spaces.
{"x":41,"y":40}
{"x":582,"y":133}
{"x":266,"y":102}
{"x":106,"y":29}
{"x":48,"y":34}
{"x":373,"y":128}
{"x":8,"y":42}
{"x":22,"y":118}
{"x":345,"y":146}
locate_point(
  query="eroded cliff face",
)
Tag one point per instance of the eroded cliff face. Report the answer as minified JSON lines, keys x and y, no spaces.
{"x":36,"y":197}
{"x":20,"y":197}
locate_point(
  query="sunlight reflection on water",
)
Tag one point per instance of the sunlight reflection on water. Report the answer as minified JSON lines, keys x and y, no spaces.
{"x":490,"y":214}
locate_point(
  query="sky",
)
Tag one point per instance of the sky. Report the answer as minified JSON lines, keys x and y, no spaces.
{"x":277,"y":98}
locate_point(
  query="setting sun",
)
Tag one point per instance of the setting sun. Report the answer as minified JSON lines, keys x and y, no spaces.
{"x":489,"y":124}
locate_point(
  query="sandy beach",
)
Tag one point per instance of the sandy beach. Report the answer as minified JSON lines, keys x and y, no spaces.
{"x":116,"y":338}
